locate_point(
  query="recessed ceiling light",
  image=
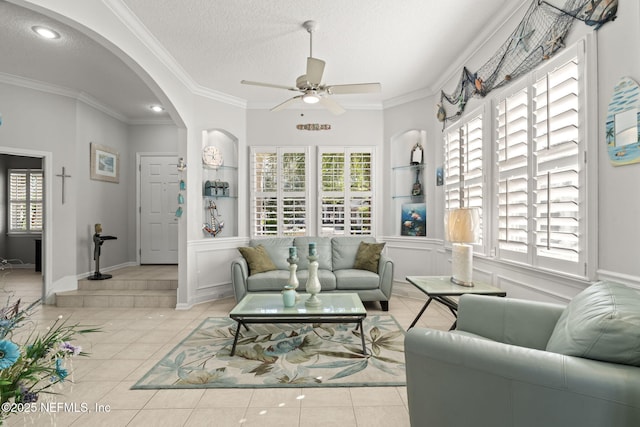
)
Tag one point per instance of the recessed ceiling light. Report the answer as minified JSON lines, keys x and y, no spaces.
{"x":157,"y":108}
{"x":46,"y":33}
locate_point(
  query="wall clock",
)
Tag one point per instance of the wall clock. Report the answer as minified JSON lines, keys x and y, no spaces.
{"x":212,"y":156}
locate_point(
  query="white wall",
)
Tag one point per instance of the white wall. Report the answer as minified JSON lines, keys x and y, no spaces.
{"x":38,"y":124}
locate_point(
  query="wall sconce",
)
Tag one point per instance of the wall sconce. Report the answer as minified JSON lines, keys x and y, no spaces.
{"x":462,"y":228}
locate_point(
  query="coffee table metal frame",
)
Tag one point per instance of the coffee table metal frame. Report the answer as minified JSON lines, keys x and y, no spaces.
{"x":441,"y":288}
{"x":258,"y":308}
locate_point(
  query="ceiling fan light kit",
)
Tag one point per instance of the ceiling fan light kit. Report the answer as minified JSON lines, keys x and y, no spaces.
{"x":310,"y":84}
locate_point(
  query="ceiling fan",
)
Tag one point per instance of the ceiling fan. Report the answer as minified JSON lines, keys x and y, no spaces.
{"x":310,"y":86}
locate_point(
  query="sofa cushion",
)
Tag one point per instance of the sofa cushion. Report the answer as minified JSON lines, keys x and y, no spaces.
{"x":368,"y":256}
{"x":351,"y":279}
{"x":323,"y":246}
{"x":258,"y":259}
{"x":277,"y":248}
{"x":326,"y":278}
{"x":268,"y":281}
{"x":601,"y":323}
{"x":344,"y":250}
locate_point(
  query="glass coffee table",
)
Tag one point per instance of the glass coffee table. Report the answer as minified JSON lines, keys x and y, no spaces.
{"x":269,"y":308}
{"x":441,"y":288}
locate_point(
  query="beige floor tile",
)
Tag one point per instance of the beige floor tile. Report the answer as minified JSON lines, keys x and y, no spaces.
{"x":122,"y":397}
{"x":175,"y":399}
{"x":105,"y":418}
{"x":373,"y":396}
{"x":160,"y":418}
{"x":271,"y":417}
{"x":326,"y":397}
{"x":218,"y":417}
{"x":328,"y":416}
{"x":382,"y":416}
{"x":226,"y":397}
{"x":276,"y":397}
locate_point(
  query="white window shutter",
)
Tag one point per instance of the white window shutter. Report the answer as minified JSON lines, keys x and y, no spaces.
{"x":558,"y":167}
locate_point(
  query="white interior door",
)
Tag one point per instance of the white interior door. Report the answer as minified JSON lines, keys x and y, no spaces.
{"x":159,"y":189}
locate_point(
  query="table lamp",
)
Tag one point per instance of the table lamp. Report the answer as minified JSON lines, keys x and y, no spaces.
{"x":461,"y":226}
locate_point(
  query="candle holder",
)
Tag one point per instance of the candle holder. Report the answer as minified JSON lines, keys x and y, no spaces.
{"x":313,"y":286}
{"x":293,"y":279}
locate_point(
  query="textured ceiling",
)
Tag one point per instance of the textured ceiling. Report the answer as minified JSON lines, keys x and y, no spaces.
{"x":409,"y":46}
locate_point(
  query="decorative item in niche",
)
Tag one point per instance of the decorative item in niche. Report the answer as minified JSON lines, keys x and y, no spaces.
{"x":537,"y":37}
{"x":212,"y":156}
{"x":417,"y":154}
{"x":414,"y":219}
{"x":439,"y":176}
{"x":105,"y":163}
{"x":622,"y":125}
{"x":313,"y":126}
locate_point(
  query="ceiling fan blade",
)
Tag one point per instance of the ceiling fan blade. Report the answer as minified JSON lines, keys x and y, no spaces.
{"x":286,"y":103}
{"x":247,"y":82}
{"x":331,"y":105}
{"x":315,"y":69}
{"x":354,"y":88}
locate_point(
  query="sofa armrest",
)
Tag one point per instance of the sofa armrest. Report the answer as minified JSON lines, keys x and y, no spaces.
{"x":239,"y":274}
{"x":504,"y":385}
{"x":507,"y":320}
{"x":385,"y":273}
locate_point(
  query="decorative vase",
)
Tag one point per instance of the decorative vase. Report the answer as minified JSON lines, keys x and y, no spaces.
{"x":313,"y":284}
{"x":289,"y":296}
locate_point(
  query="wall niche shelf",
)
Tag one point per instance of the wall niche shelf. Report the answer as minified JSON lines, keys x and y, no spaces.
{"x":408,"y":189}
{"x":220,"y":211}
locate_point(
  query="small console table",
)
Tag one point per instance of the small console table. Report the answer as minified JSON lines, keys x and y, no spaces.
{"x":441,"y":288}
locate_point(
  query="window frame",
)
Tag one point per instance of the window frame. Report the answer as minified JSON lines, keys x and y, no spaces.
{"x":27,"y":201}
{"x":348,"y":194}
{"x":280,"y":193}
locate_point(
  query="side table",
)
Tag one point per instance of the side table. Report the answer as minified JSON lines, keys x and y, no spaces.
{"x":441,"y":288}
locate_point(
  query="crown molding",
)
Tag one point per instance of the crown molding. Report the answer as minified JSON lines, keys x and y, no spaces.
{"x":139,"y":30}
{"x":408,"y":97}
{"x":83,"y":97}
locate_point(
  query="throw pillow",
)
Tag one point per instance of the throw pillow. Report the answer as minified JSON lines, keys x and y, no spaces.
{"x":368,"y":256}
{"x":601,"y":323}
{"x":258,"y":259}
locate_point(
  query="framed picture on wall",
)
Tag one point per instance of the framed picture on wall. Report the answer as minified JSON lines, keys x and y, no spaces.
{"x":414,"y":219}
{"x":105,"y":163}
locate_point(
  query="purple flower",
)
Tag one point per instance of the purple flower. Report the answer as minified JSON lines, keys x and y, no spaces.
{"x":67,"y":347}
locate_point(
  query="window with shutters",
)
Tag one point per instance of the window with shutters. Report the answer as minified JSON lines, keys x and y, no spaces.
{"x":346,"y":192}
{"x":279,"y":191}
{"x":463,"y":167}
{"x":541,"y":175}
{"x":25,"y":200}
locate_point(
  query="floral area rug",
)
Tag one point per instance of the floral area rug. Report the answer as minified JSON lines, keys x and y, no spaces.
{"x":284,"y":355}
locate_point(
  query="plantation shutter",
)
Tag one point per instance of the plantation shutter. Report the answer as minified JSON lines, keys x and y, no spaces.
{"x":25,"y":200}
{"x":279,"y":191}
{"x":557,"y":210}
{"x":513,"y":161}
{"x":346,"y":193}
{"x":463,"y":167}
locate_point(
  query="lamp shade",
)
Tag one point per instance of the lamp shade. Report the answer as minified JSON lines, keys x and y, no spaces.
{"x":462,"y":225}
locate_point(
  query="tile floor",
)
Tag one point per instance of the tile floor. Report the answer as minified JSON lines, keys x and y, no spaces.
{"x":133,"y":340}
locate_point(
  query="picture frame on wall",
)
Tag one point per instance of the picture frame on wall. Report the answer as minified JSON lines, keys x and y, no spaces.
{"x":105,"y":163}
{"x":413,"y":219}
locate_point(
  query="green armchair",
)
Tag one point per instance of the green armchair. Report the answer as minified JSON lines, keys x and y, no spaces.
{"x":497,"y":369}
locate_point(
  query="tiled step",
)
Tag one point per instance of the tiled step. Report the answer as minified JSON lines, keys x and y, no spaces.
{"x":130,"y":287}
{"x":117,"y":298}
{"x":127,"y":284}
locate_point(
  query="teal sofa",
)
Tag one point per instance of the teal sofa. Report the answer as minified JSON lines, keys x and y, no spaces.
{"x":522,"y":363}
{"x":336,"y":257}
